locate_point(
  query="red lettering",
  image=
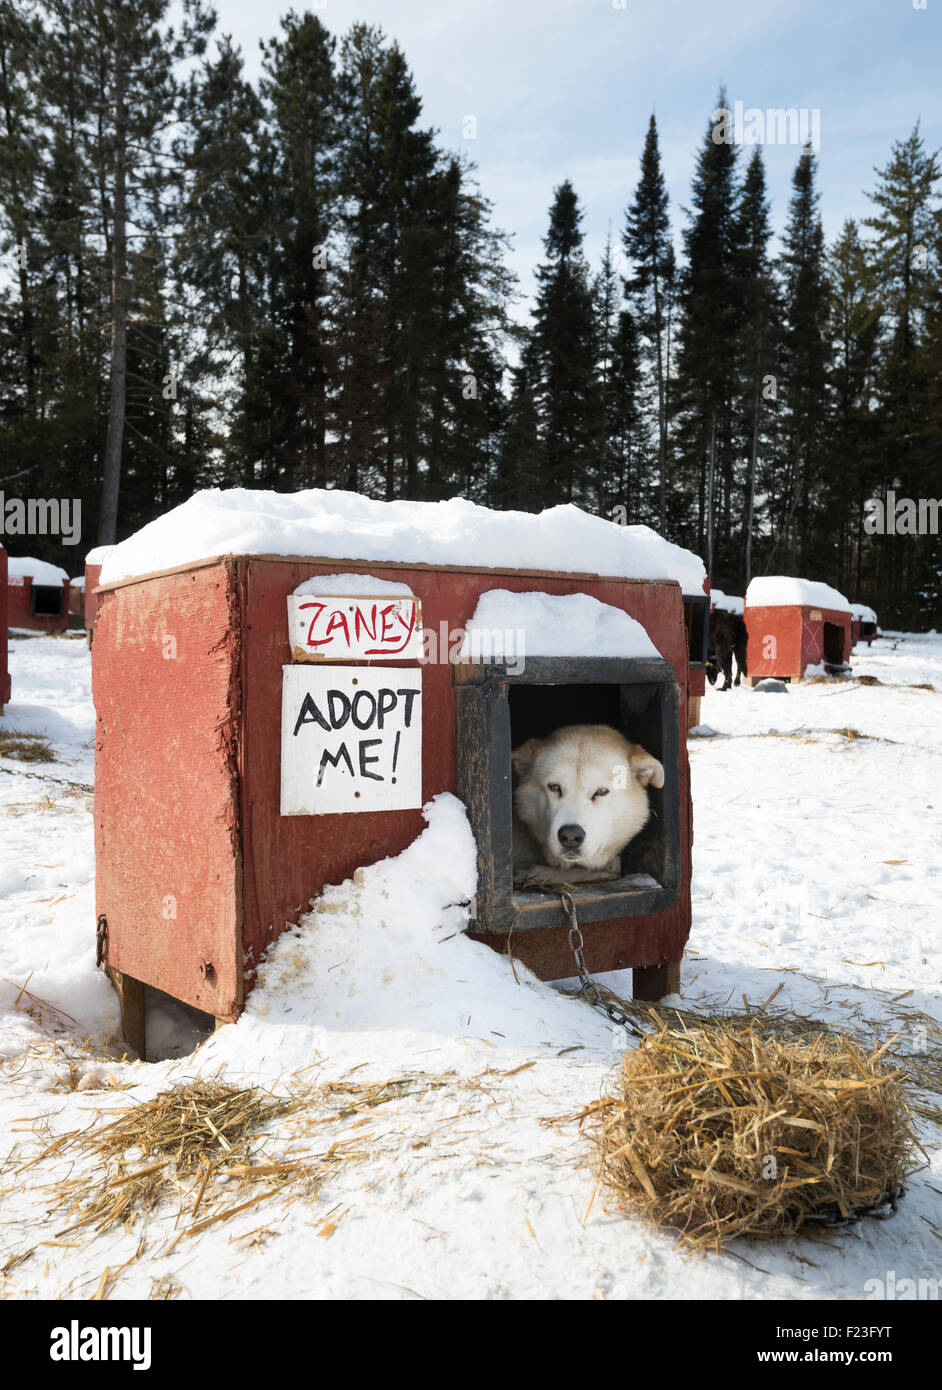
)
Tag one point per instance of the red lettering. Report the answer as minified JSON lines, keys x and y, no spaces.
{"x":387,"y":634}
{"x":310,"y":632}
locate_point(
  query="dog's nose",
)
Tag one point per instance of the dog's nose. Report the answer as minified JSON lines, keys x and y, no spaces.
{"x":571,"y":836}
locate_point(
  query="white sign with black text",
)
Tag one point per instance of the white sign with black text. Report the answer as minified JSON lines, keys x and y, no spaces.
{"x":351,"y":739}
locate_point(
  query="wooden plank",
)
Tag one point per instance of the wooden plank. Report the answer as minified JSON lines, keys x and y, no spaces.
{"x":131,"y":998}
{"x":653,"y":982}
{"x":355,"y":566}
{"x":165,"y":677}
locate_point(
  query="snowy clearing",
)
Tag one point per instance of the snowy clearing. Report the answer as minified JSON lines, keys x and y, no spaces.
{"x":817,"y":874}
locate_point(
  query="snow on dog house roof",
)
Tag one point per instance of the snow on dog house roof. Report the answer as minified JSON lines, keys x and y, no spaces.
{"x":26,"y":567}
{"x":781,"y":591}
{"x":97,"y":555}
{"x":331,"y":524}
{"x":863,"y":613}
{"x":506,"y":624}
{"x":725,"y":603}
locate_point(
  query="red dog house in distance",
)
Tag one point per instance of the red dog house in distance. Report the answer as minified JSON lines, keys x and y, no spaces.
{"x":37,"y":595}
{"x":795,"y":627}
{"x":863,"y":623}
{"x":206,"y":833}
{"x":4,"y":647}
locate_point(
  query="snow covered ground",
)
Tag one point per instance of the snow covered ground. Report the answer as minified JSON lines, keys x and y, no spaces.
{"x":818,"y":875}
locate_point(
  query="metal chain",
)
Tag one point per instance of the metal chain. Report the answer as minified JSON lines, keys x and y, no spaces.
{"x":101,"y":936}
{"x":833,"y":1220}
{"x":589,"y":988}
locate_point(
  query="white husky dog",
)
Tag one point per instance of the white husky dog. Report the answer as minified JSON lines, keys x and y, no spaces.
{"x":580,"y":798}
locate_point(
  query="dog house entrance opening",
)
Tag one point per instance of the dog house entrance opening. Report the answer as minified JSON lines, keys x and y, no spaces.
{"x":47,"y":601}
{"x":833,"y":644}
{"x":632,"y":713}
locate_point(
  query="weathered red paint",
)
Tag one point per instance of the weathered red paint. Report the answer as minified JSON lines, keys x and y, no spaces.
{"x":77,"y":599}
{"x":784,"y":640}
{"x":5,"y":690}
{"x":90,"y":607}
{"x":18,"y":611}
{"x":188,"y":771}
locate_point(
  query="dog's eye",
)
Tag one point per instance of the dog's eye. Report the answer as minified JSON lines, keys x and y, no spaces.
{"x":554,"y":787}
{"x":600,"y":791}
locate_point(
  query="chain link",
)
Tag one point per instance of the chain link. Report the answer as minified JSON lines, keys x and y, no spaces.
{"x":589,"y":988}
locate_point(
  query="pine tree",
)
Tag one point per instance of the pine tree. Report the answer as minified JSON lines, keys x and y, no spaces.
{"x":620,"y":446}
{"x":22,"y":153}
{"x":854,"y":326}
{"x":756,"y":298}
{"x":565,"y":349}
{"x":905,"y":224}
{"x":647,"y":244}
{"x":225,"y":244}
{"x":134,"y":54}
{"x":299,"y":89}
{"x":805,"y":363}
{"x":519,"y":480}
{"x":708,"y":348}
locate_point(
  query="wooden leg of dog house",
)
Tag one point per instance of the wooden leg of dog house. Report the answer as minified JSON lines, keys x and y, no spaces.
{"x":131,"y":995}
{"x":652,"y":982}
{"x":693,"y":711}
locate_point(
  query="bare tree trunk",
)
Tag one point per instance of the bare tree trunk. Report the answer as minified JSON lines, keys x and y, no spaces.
{"x":111,"y":479}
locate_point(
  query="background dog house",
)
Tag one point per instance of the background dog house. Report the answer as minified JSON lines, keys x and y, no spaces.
{"x":793,"y":624}
{"x":863,"y":624}
{"x":37,"y":595}
{"x":197,"y":870}
{"x":93,"y":563}
{"x":697,"y":622}
{"x":4,"y":640}
{"x":77,"y":597}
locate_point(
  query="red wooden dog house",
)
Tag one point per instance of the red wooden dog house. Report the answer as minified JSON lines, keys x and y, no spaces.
{"x":77,"y":597}
{"x":863,"y":624}
{"x":4,"y":641}
{"x":198,"y":871}
{"x":93,"y":563}
{"x":794,"y":624}
{"x":37,"y":595}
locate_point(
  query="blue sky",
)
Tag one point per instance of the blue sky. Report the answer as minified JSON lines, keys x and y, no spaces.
{"x":564,"y":88}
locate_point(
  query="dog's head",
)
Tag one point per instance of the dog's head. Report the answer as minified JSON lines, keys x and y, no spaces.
{"x":581,"y":793}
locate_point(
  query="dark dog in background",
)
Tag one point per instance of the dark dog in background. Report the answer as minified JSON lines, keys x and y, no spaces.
{"x":727,"y":640}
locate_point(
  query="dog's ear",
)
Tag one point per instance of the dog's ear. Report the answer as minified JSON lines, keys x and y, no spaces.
{"x":523,"y":758}
{"x":645,"y":768}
